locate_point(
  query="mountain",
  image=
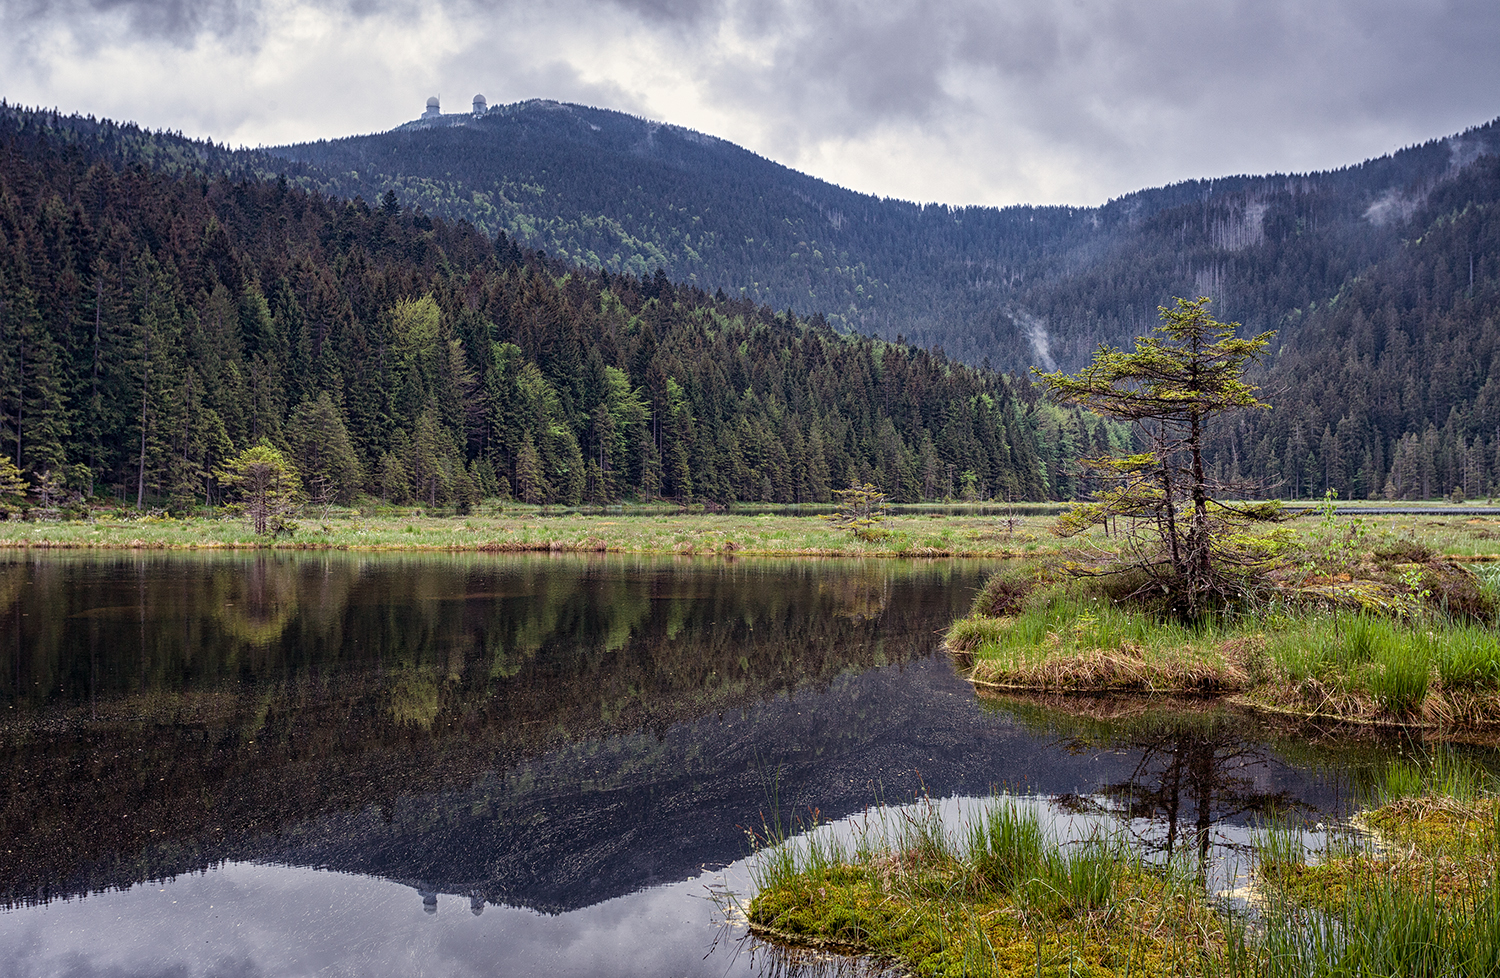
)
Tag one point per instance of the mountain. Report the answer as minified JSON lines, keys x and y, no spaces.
{"x":1021,"y":285}
{"x":1389,"y":386}
{"x":1382,"y":280}
{"x":164,"y":305}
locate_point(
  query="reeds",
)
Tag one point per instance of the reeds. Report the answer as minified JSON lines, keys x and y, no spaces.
{"x":1001,"y":894}
{"x":1420,"y":898}
{"x":998,"y":895}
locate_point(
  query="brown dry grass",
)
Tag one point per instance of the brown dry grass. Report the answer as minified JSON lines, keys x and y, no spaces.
{"x":1127,"y":668}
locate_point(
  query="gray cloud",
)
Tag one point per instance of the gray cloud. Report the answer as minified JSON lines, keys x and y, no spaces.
{"x":174,"y":21}
{"x":960,"y":100}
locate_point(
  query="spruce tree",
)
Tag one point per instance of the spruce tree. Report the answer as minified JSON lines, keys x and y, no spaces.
{"x":1171,"y":387}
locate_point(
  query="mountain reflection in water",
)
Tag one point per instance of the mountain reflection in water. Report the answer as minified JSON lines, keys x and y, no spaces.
{"x":167,"y":713}
{"x":550,"y":733}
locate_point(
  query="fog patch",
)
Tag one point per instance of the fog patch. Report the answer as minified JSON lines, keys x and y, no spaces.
{"x":1392,"y":206}
{"x":1464,"y":149}
{"x":1035,"y":331}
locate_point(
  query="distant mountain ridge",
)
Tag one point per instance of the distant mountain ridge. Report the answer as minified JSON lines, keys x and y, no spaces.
{"x":165,"y":305}
{"x":1381,"y":279}
{"x":1019,"y":285}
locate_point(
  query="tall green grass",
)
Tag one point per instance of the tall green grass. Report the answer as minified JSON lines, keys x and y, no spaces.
{"x":1391,"y":662}
{"x":1441,"y":772}
{"x":933,"y":894}
{"x":1382,"y":929}
{"x":1370,"y":922}
{"x":1469,"y":658}
{"x":1424,"y":903}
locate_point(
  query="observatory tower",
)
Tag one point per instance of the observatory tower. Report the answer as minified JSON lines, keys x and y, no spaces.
{"x":433,"y":111}
{"x":480,"y":106}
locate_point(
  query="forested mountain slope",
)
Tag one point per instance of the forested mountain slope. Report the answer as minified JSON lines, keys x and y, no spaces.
{"x":1391,"y":386}
{"x":1020,"y":285}
{"x":157,"y":316}
{"x":1381,"y":280}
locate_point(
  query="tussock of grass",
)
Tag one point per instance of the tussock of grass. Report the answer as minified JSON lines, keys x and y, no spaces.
{"x":1068,"y":644}
{"x":998,"y":897}
{"x":1415,"y":892}
{"x":1418,"y":895}
{"x":1421,"y":667}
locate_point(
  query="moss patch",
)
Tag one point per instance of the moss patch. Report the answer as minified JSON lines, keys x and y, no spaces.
{"x":1010,"y":903}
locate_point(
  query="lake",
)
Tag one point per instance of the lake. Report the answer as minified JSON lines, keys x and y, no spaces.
{"x":371,"y":764}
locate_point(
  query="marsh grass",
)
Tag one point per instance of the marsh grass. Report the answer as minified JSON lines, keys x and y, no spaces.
{"x":1429,"y":670}
{"x":1073,"y":643}
{"x":939,"y":531}
{"x":1413,"y":894}
{"x":1418,"y":895}
{"x":515,"y":528}
{"x":998,"y":895}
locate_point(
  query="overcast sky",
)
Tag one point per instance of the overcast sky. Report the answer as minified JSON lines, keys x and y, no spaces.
{"x":965,"y":101}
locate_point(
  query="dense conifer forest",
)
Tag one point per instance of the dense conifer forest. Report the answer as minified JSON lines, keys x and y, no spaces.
{"x":162,"y":307}
{"x":1390,"y":387}
{"x":167,"y":301}
{"x":1021,"y":286}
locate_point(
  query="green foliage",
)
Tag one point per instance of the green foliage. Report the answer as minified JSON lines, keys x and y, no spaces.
{"x":602,"y":188}
{"x":1470,"y":659}
{"x":1001,"y":896}
{"x":154,"y":328}
{"x":267,"y":488}
{"x":862,"y":508}
{"x":11,"y":481}
{"x":319,"y":442}
{"x":1336,"y":542}
{"x":150,"y":363}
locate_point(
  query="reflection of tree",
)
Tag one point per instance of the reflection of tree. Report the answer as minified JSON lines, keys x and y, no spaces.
{"x":861,"y":597}
{"x":379,"y":677}
{"x":1195,"y":765}
{"x":256,"y":602}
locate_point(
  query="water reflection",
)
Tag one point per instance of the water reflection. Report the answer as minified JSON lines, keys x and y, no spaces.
{"x":1192,"y":767}
{"x":345,"y":748}
{"x":164,"y":713}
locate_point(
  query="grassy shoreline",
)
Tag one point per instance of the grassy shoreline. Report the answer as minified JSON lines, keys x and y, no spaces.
{"x":521,"y":530}
{"x":939,"y":533}
{"x":998,"y":895}
{"x":1335,"y":619}
{"x":1410,"y":886}
{"x":1337,"y":666}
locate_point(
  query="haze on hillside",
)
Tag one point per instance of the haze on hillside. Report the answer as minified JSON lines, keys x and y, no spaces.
{"x":1016,"y":287}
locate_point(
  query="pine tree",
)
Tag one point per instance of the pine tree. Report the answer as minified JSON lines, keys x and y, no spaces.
{"x":319,"y":442}
{"x":531,"y":486}
{"x":266,"y":487}
{"x":1172,"y":386}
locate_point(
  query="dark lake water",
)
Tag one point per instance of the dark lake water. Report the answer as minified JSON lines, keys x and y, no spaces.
{"x":518,"y":765}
